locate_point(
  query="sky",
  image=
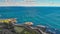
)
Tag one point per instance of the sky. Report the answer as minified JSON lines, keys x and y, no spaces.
{"x":30,"y":2}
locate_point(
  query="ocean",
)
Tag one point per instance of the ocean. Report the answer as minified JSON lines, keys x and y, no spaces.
{"x":47,"y":16}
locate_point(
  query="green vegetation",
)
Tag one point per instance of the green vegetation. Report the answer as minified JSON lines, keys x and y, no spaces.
{"x":22,"y":30}
{"x":16,"y":29}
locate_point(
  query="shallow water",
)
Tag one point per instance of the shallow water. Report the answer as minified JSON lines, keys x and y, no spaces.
{"x":48,"y":16}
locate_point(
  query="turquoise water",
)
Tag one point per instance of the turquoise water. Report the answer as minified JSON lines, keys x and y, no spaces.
{"x":48,"y":16}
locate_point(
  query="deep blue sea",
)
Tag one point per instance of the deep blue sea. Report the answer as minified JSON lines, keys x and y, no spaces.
{"x":47,"y":16}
